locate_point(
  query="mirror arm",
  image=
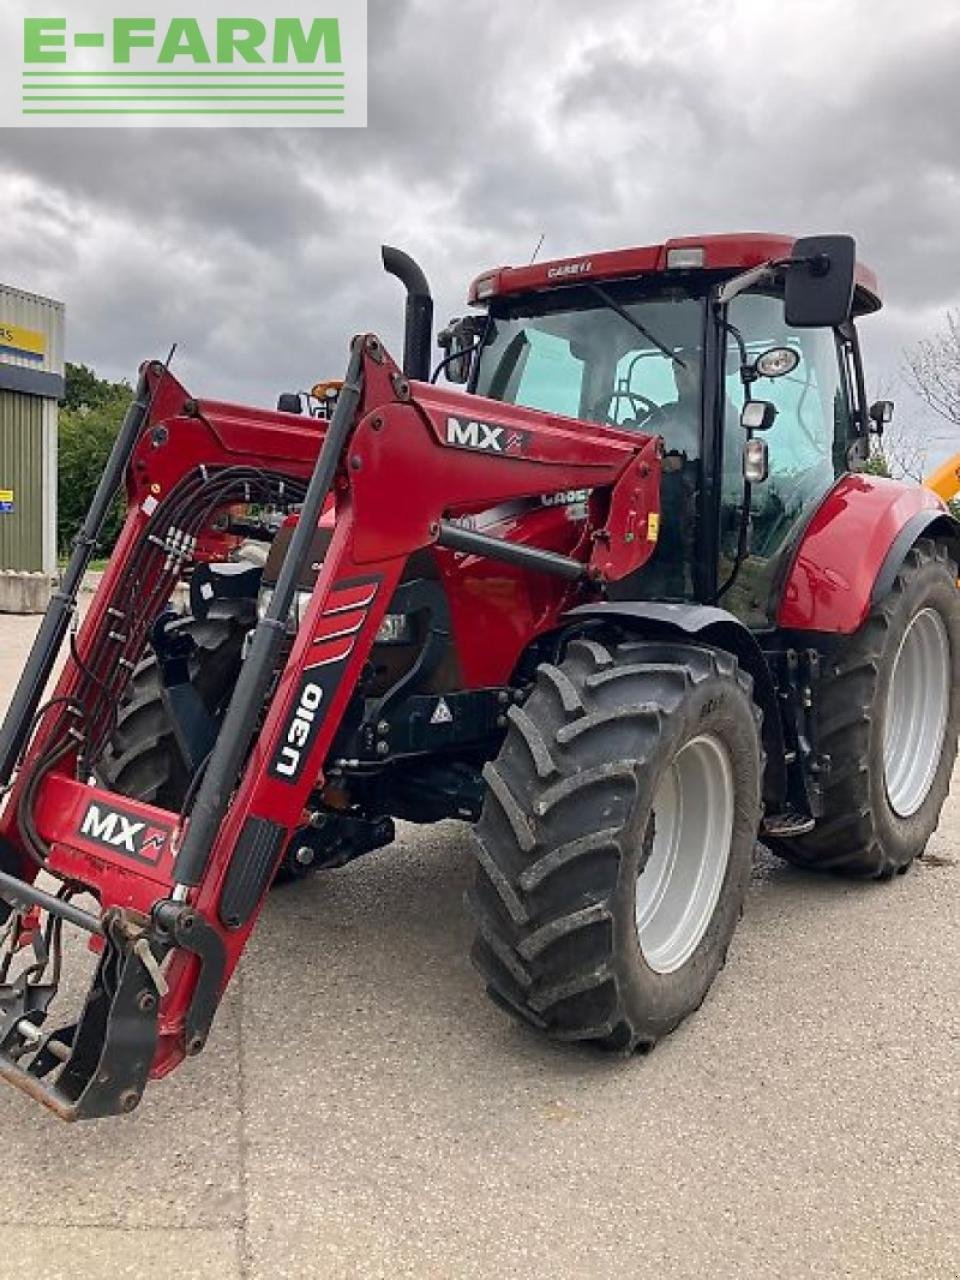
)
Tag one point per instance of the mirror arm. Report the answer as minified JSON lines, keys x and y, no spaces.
{"x":466,"y":354}
{"x":766,"y":273}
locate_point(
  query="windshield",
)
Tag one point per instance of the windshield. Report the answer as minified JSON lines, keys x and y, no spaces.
{"x":572,"y":353}
{"x":575,"y":352}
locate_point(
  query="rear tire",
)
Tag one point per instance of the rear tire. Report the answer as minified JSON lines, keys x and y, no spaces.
{"x":891,"y":718}
{"x":594,"y":922}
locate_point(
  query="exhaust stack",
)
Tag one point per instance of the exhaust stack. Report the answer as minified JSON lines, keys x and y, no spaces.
{"x":418,"y":334}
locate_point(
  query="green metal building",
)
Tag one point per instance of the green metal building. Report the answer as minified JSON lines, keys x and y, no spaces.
{"x":31,"y":384}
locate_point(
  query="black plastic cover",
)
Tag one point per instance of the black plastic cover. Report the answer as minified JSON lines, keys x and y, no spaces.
{"x":251,"y":870}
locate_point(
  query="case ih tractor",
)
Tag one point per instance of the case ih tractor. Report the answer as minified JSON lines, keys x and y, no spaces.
{"x":621,"y":594}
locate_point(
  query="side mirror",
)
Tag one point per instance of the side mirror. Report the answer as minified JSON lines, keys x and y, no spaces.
{"x":881,"y":415}
{"x":290,"y":402}
{"x":456,"y":342}
{"x":756,"y":461}
{"x":820,"y":282}
{"x":758,"y":415}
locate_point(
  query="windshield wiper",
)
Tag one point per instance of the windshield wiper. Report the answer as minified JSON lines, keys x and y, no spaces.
{"x":614,"y":305}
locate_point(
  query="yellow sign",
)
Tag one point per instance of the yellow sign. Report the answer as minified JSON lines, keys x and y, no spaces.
{"x":17,"y":341}
{"x":653,"y":526}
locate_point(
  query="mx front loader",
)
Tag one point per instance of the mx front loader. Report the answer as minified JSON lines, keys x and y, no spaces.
{"x":619,"y":593}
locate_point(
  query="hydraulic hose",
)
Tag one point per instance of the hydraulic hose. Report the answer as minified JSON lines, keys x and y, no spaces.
{"x":246,"y":705}
{"x":46,"y":646}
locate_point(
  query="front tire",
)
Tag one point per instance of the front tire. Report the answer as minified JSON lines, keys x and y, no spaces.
{"x":142,"y":759}
{"x":617,"y":839}
{"x":890,"y":722}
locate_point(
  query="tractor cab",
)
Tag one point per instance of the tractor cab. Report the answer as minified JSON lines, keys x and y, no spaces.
{"x":738,"y":351}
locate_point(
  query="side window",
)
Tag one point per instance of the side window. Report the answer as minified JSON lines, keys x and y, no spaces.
{"x":646,"y":377}
{"x":546,"y":374}
{"x":807,"y":442}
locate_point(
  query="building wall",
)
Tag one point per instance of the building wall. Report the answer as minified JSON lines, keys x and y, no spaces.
{"x":31,"y":383}
{"x":21,"y":472}
{"x":41,"y":315}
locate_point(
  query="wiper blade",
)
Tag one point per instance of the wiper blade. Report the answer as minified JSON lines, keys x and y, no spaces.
{"x":614,"y":305}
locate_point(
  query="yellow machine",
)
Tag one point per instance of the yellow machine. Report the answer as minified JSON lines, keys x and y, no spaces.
{"x":945,"y":481}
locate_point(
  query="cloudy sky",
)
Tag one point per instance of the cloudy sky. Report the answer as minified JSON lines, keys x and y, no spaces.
{"x":491,"y":121}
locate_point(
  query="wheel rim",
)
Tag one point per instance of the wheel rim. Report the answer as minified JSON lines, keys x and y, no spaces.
{"x":679,"y":887}
{"x":916,"y":716}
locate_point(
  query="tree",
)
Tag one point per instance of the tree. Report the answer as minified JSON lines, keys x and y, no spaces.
{"x":896,"y":455}
{"x":90,"y":417}
{"x":876,"y":464}
{"x":933,"y":366}
{"x":901,"y":453}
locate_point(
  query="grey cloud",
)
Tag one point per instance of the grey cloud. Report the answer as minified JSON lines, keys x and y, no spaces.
{"x":616,"y":123}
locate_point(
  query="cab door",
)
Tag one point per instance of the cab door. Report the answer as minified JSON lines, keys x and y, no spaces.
{"x":808,"y":444}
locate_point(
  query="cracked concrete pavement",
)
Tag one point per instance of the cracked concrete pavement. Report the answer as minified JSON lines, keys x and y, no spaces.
{"x":363,"y":1111}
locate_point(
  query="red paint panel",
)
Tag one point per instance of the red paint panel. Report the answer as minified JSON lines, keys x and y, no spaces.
{"x":343,"y":599}
{"x":339,"y":623}
{"x":326,"y":651}
{"x":736,"y":252}
{"x":124,"y":879}
{"x":496,"y":609}
{"x":550,"y":438}
{"x":843,"y":550}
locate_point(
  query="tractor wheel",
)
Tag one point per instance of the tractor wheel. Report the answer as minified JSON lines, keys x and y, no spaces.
{"x":891,"y":700}
{"x":143,"y":760}
{"x":616,"y":841}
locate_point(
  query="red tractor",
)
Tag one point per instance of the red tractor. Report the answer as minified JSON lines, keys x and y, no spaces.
{"x":622,"y":595}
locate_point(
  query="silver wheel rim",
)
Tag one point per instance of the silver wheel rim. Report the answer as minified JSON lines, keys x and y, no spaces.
{"x":680,"y":885}
{"x":916,"y":716}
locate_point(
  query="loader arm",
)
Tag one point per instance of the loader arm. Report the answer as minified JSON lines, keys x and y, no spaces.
{"x":177,"y":895}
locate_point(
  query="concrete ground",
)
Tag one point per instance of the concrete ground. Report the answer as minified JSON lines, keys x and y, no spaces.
{"x":363,"y":1111}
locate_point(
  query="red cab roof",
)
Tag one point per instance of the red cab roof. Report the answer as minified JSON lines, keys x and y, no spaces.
{"x":726,"y":253}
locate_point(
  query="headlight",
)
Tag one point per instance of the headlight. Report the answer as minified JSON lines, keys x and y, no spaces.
{"x":297,"y":610}
{"x":396,"y":628}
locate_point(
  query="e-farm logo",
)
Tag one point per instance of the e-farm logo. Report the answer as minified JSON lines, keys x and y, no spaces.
{"x":95,"y":66}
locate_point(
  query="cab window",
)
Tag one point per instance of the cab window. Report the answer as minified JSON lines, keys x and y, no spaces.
{"x":631,"y":359}
{"x":808,"y":444}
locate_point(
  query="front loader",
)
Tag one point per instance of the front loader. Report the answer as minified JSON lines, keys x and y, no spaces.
{"x":619,"y":594}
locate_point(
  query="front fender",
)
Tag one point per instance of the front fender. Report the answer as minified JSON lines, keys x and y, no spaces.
{"x":855,"y":544}
{"x":650,"y":620}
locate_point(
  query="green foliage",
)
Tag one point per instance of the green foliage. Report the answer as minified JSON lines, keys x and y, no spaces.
{"x":90,"y":417}
{"x":876,"y":464}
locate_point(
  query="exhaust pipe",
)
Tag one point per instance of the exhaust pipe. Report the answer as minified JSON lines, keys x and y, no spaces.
{"x":418,"y":334}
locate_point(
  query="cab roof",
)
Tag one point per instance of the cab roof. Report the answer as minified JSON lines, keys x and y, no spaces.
{"x":728,"y":254}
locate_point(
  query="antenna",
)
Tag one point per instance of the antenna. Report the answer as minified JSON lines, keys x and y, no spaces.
{"x":536,"y":251}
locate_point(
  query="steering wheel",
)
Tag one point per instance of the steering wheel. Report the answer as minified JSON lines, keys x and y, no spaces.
{"x":647,"y":407}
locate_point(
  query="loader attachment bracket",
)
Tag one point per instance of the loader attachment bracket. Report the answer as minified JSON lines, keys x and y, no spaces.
{"x":104,"y":1060}
{"x":187,"y":931}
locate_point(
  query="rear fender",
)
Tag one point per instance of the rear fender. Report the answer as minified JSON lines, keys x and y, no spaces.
{"x":851,"y":551}
{"x":718,"y":628}
{"x":925,"y":524}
